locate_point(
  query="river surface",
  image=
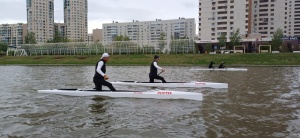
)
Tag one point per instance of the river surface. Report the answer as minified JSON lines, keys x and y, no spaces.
{"x":262,"y":102}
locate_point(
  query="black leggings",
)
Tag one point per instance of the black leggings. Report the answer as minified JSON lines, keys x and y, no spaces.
{"x":156,"y":77}
{"x":100,"y":81}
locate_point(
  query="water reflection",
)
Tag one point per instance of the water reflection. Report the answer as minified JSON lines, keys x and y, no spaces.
{"x":98,"y":107}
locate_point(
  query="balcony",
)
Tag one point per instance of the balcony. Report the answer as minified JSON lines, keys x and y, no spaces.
{"x":222,"y":2}
{"x":222,"y":12}
{"x":222,"y":28}
{"x":222,"y":18}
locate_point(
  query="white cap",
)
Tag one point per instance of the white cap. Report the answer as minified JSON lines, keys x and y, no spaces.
{"x":105,"y":55}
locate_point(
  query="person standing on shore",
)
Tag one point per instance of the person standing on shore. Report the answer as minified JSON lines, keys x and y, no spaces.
{"x":100,"y":77}
{"x":153,"y":70}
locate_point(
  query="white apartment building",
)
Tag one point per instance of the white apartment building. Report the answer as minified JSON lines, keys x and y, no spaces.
{"x":269,"y":15}
{"x":146,"y":31}
{"x":13,"y":34}
{"x":90,"y":38}
{"x":40,"y":19}
{"x":296,"y":14}
{"x":218,"y":17}
{"x":250,"y":16}
{"x":75,"y":19}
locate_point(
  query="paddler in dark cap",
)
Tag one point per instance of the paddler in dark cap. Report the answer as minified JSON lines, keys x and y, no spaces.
{"x":153,"y":70}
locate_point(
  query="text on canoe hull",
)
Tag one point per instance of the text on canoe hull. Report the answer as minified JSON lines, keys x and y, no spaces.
{"x":196,"y":83}
{"x":162,"y":93}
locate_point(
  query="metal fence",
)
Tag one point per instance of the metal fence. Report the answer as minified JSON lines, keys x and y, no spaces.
{"x":181,"y":46}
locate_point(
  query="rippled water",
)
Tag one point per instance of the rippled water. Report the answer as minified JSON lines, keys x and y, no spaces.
{"x":262,"y":102}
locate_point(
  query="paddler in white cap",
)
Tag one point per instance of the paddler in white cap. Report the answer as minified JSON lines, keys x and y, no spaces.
{"x":100,"y":76}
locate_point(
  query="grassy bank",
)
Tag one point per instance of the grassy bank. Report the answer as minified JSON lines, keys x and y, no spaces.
{"x":188,"y":59}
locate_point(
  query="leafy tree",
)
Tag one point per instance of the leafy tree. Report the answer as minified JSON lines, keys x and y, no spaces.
{"x":3,"y":47}
{"x":162,"y":36}
{"x":121,"y":45}
{"x":235,"y":38}
{"x":66,"y":40}
{"x":56,"y":39}
{"x":81,"y":40}
{"x":208,"y":47}
{"x":126,"y":38}
{"x":222,"y":40}
{"x":121,"y":38}
{"x":277,"y":39}
{"x":162,"y":39}
{"x":30,"y":38}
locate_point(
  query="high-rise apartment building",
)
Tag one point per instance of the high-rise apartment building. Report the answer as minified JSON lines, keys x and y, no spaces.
{"x":150,"y":30}
{"x":13,"y":34}
{"x":269,"y":15}
{"x":295,"y":12}
{"x":218,"y":17}
{"x":263,"y":17}
{"x":40,"y":19}
{"x":75,"y":19}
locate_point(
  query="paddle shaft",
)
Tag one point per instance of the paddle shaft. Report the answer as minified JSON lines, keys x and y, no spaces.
{"x":160,"y":72}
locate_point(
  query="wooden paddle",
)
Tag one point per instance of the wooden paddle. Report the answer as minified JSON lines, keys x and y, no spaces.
{"x":160,"y":73}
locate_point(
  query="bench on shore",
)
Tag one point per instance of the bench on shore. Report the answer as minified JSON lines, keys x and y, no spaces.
{"x":296,"y":51}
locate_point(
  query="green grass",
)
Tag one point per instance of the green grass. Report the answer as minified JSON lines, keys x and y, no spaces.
{"x":284,"y":59}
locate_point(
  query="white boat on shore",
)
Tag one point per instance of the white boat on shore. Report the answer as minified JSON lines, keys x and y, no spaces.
{"x":222,"y":69}
{"x":175,"y":84}
{"x":154,"y":94}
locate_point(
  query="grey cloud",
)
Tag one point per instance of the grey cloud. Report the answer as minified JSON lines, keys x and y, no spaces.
{"x":117,"y":13}
{"x":10,"y":11}
{"x":190,"y":5}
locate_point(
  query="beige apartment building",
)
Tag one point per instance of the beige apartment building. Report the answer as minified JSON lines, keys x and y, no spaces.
{"x":60,"y":28}
{"x":97,"y":35}
{"x":76,"y":20}
{"x":147,"y":31}
{"x":40,"y":19}
{"x":13,"y":34}
{"x":252,"y":17}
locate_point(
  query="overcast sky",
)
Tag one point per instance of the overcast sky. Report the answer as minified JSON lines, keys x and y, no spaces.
{"x":106,"y":11}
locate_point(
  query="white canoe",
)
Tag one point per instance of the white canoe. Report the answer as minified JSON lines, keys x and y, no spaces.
{"x":156,"y":94}
{"x":222,"y":69}
{"x":175,"y":84}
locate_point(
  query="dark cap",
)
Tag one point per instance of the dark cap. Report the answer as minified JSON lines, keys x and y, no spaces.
{"x":156,"y":57}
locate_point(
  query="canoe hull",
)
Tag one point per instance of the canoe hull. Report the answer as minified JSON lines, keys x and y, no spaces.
{"x":223,"y":69}
{"x":176,"y":84}
{"x":128,"y":94}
